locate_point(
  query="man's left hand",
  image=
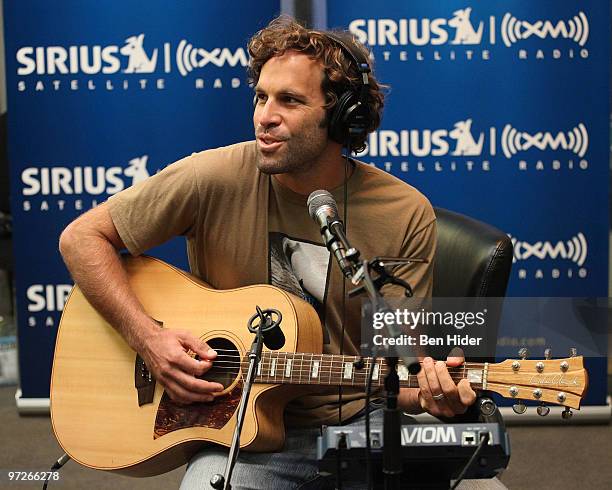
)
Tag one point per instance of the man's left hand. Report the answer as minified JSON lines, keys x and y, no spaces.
{"x":438,"y":393}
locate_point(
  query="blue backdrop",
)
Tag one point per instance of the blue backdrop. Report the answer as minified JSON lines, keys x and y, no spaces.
{"x":500,"y":110}
{"x":100,"y":95}
{"x":497,"y":109}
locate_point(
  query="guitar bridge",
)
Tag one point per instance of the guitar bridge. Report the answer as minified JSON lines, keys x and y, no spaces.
{"x":144,"y":382}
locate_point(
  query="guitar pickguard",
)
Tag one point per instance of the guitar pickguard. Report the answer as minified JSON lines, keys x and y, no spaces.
{"x":214,"y":415}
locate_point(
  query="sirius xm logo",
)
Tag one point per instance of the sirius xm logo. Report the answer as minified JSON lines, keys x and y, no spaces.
{"x":45,"y":302}
{"x":555,"y":259}
{"x":135,"y":64}
{"x":466,"y":146}
{"x":466,"y":34}
{"x":80,"y":187}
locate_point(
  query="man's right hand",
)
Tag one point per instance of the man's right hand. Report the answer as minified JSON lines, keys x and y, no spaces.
{"x":165,"y":354}
{"x":89,"y":246}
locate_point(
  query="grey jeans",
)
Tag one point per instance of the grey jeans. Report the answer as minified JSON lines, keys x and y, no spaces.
{"x":293,"y":468}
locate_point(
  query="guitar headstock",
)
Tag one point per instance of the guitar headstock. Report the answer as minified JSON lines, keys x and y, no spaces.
{"x":556,"y":381}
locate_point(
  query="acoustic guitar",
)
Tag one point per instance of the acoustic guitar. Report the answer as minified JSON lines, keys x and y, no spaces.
{"x":108,"y":412}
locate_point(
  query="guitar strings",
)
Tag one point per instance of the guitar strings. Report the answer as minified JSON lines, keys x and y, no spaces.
{"x":284,"y":355}
{"x":330,"y":374}
{"x":333,"y":378}
{"x":268,"y":354}
{"x":324,"y":365}
{"x":336,"y":364}
{"x":339,"y":363}
{"x":221,"y":359}
{"x":331,"y":369}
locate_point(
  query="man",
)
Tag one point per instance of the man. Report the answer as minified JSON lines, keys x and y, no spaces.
{"x":243,"y":210}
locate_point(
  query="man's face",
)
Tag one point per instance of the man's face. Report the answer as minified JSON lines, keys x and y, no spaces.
{"x":289,"y":116}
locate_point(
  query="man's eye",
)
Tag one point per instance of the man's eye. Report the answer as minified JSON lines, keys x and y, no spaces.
{"x":260,"y":98}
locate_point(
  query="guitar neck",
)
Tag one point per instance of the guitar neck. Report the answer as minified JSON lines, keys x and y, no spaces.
{"x":339,"y":370}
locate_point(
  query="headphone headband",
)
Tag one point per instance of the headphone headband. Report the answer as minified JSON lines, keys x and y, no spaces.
{"x":361,"y":63}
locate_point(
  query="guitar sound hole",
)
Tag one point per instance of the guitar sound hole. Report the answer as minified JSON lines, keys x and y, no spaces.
{"x":226,"y":366}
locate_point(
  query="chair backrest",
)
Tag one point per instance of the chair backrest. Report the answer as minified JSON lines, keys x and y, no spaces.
{"x":472,"y":258}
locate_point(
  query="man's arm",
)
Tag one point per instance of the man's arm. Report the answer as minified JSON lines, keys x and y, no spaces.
{"x":434,"y":378}
{"x":89,"y":246}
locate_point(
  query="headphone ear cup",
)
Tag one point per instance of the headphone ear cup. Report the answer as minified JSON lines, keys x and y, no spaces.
{"x":341,"y":116}
{"x":348,"y":119}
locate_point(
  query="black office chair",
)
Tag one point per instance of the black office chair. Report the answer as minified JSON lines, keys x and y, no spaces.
{"x":473,"y":259}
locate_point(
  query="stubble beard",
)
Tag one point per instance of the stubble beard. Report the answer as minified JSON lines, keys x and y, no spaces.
{"x":298,"y":154}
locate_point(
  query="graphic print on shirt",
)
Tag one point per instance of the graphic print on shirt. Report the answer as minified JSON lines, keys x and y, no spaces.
{"x":300,"y":268}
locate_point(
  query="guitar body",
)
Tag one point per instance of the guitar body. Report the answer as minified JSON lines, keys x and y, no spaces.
{"x":96,"y":378}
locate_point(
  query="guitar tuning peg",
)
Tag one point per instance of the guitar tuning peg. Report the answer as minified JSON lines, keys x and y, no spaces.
{"x":523,"y":352}
{"x":573,"y":352}
{"x":519,"y":408}
{"x":547,"y":354}
{"x":567,"y":414}
{"x":543,"y":410}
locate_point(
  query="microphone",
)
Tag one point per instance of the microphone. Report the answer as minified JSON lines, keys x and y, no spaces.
{"x":268,"y":326}
{"x":324,"y":211}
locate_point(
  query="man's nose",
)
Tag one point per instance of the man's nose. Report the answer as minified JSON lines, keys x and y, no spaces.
{"x":268,"y":114}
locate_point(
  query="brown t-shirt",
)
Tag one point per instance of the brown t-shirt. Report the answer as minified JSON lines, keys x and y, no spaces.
{"x":242,"y":227}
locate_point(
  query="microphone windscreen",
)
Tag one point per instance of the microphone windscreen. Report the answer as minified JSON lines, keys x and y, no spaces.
{"x":274,"y":338}
{"x":320,"y":198}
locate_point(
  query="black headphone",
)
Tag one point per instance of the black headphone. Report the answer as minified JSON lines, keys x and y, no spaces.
{"x":349,"y":118}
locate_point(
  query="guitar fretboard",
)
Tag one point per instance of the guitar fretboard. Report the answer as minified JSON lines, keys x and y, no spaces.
{"x":332,"y":369}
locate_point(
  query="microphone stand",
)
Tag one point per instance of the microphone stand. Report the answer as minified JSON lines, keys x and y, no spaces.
{"x":392,"y":461}
{"x":358,"y":271}
{"x":219,"y":481}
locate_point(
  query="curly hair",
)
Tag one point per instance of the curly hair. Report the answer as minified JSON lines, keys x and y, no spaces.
{"x":339,"y":71}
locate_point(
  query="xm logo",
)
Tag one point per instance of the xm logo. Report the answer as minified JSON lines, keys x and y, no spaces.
{"x":188,"y":57}
{"x":574,"y":249}
{"x":462,"y":140}
{"x":131,"y":58}
{"x":576,"y":140}
{"x":514,"y":30}
{"x":83,"y":180}
{"x":462,"y":29}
